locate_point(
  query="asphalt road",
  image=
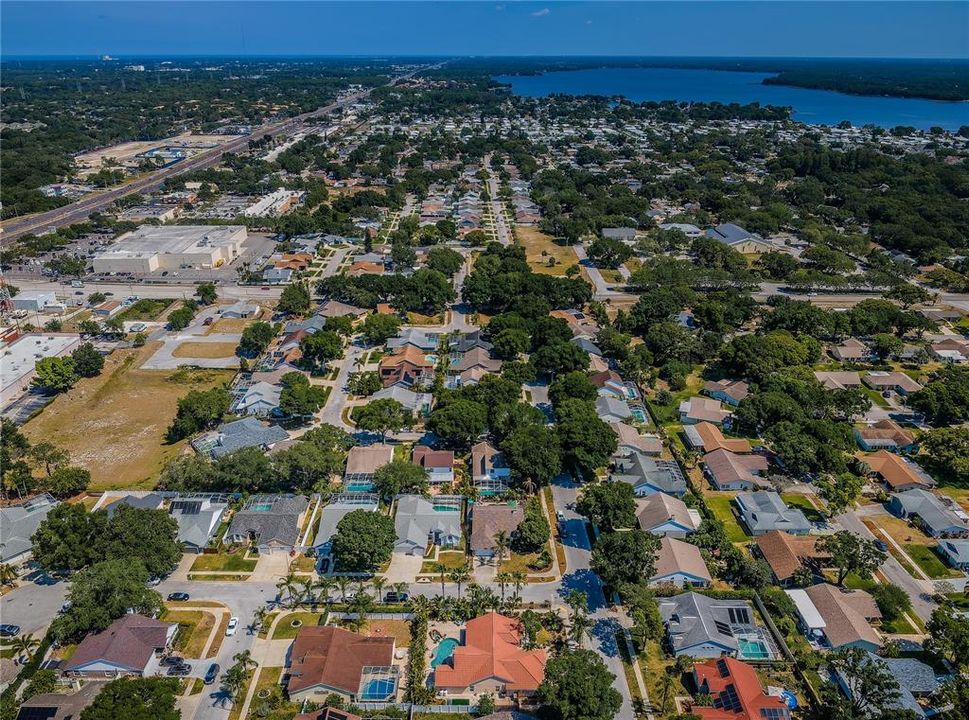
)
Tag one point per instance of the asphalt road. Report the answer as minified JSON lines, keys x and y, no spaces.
{"x":34,"y":604}
{"x":80,"y":210}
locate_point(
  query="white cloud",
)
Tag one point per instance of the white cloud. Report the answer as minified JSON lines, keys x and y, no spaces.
{"x":541,"y":13}
{"x":588,"y":22}
{"x":499,"y":8}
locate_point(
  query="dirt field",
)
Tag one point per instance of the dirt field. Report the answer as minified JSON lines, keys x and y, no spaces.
{"x":204,"y":350}
{"x":539,"y":248}
{"x":114,"y":424}
{"x":125,"y":153}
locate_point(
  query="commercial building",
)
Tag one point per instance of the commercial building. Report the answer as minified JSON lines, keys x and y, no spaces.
{"x":18,"y":360}
{"x":35,"y":301}
{"x":172,"y":247}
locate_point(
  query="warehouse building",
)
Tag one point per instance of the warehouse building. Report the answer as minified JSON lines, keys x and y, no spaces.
{"x":19,"y":359}
{"x":172,"y":247}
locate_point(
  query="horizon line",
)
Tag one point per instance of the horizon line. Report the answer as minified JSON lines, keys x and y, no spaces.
{"x":377,"y":55}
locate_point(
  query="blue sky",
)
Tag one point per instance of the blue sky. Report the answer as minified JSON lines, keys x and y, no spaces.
{"x":688,"y":28}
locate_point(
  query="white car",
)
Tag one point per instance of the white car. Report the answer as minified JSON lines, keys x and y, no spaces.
{"x":230,"y":629}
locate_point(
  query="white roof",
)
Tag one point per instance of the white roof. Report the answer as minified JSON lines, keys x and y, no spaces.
{"x":805,"y":608}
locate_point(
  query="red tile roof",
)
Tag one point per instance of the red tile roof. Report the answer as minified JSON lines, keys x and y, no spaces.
{"x":491,"y":650}
{"x":736,"y":691}
{"x":335,"y":658}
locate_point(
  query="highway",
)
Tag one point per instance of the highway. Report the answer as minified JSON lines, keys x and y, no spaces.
{"x":79,"y":211}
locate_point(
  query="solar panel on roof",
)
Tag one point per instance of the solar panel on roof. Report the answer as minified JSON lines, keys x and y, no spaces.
{"x":723,"y":628}
{"x":36,"y":713}
{"x":729,"y":700}
{"x":187,"y":507}
{"x":722,"y":668}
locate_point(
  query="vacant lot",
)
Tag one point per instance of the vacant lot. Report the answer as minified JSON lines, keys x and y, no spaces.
{"x":540,"y":248}
{"x":228,"y":326}
{"x":145,"y":309}
{"x":205,"y":350}
{"x":114,"y":424}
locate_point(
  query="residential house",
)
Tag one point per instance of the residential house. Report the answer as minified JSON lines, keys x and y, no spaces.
{"x":934,"y":517}
{"x":243,"y":433}
{"x":439,"y":464}
{"x":579,"y":323}
{"x":898,"y":473}
{"x":489,"y":520}
{"x":490,"y":659}
{"x":917,"y":685}
{"x":631,"y":441}
{"x":612,"y":410}
{"x":708,"y":438}
{"x":328,"y":659}
{"x":475,"y":358}
{"x":418,"y":404}
{"x":703,"y":409}
{"x":421,"y":522}
{"x":786,"y":554}
{"x":610,"y":383}
{"x":365,"y":268}
{"x":406,"y":365}
{"x":735,"y":693}
{"x":18,"y":523}
{"x":327,"y":713}
{"x":649,"y":475}
{"x":838,"y":379}
{"x":691,"y":231}
{"x":143,"y":501}
{"x":198,"y":518}
{"x":489,"y":469}
{"x":837,"y":618}
{"x":277,"y":275}
{"x":241,"y":310}
{"x":705,"y":627}
{"x":665,"y":515}
{"x":898,"y":382}
{"x":586,"y":345}
{"x":626,"y":234}
{"x":730,"y":471}
{"x":130,"y":646}
{"x":950,"y":350}
{"x":739,"y":239}
{"x":956,"y":552}
{"x":463,"y":342}
{"x":338,"y":507}
{"x":271,"y":522}
{"x":362,"y":462}
{"x":763,"y":511}
{"x":308,"y":326}
{"x":852,"y":350}
{"x":335,"y":308}
{"x":731,"y":392}
{"x":680,"y":564}
{"x":59,"y":705}
{"x":424,"y":340}
{"x":885,"y":434}
{"x":260,"y":399}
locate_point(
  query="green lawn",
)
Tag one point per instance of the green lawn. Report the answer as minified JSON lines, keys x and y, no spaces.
{"x":927,"y":559}
{"x":876,"y":397}
{"x":800,"y":501}
{"x":285,"y":630}
{"x":145,"y":309}
{"x":720,"y":506}
{"x":898,"y":626}
{"x":223,"y":562}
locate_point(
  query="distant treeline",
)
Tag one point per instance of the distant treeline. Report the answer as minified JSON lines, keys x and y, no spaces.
{"x":931,"y":79}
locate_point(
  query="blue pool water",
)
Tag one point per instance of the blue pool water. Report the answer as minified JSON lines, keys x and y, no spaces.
{"x":753,"y":649}
{"x":379,"y":689}
{"x":443,"y":651}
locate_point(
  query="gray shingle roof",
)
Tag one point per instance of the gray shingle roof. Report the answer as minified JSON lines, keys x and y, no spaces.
{"x":18,"y":523}
{"x":640,"y":470}
{"x":270,"y":518}
{"x":764,"y":510}
{"x":247,"y":432}
{"x":693,"y":619}
{"x":197,"y":519}
{"x":417,"y":517}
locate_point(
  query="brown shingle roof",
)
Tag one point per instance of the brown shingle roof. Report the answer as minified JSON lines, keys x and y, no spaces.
{"x":367,"y":459}
{"x":785,"y":553}
{"x":428,"y":458}
{"x":335,"y":658}
{"x":727,"y":467}
{"x":676,"y":556}
{"x":897,"y":473}
{"x":658,"y":508}
{"x":887,"y":429}
{"x":845,"y":614}
{"x":712,"y":439}
{"x":128,"y":642}
{"x":488,"y":520}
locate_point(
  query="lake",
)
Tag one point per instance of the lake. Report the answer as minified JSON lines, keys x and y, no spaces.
{"x":810,"y":106}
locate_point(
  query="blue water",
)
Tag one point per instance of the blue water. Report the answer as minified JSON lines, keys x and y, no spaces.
{"x":443,"y":651}
{"x":820,"y":107}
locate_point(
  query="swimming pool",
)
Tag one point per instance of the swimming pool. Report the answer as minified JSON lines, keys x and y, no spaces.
{"x":753,"y":649}
{"x":443,"y":651}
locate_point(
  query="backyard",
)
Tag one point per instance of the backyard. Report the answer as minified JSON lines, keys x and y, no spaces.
{"x":194,"y":628}
{"x":114,"y":424}
{"x":719,"y":504}
{"x":804,"y":503}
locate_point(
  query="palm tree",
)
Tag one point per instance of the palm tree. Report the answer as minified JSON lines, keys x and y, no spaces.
{"x":258,"y":618}
{"x":503,"y":580}
{"x":362,"y":606}
{"x":25,"y":645}
{"x":244,"y":660}
{"x":233,"y":681}
{"x":343,"y":584}
{"x":378,"y":583}
{"x":305,"y":589}
{"x":286,"y":586}
{"x":581,"y":628}
{"x":502,"y":541}
{"x":459,"y":576}
{"x":399,"y":587}
{"x":323,"y":586}
{"x":8,"y":576}
{"x":519,"y":578}
{"x":441,"y":569}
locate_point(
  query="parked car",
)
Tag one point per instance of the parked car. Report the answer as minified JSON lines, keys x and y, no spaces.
{"x":396,"y":597}
{"x":172,"y":660}
{"x":211,"y":674}
{"x":65,"y":607}
{"x":881,"y":545}
{"x":230,"y":629}
{"x":179,"y":670}
{"x":178,"y":596}
{"x":9,"y":630}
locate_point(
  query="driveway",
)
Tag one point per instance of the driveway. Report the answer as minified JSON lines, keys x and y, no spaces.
{"x":34,"y":604}
{"x":403,"y":568}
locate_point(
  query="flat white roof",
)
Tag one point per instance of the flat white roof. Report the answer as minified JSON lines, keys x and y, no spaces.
{"x":150,"y":240}
{"x":20,"y":357}
{"x":805,"y":608}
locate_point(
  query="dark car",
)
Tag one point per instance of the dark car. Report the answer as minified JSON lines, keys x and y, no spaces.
{"x":881,"y":545}
{"x":211,"y":674}
{"x":180,"y":670}
{"x":172,"y":660}
{"x":9,"y":630}
{"x":396,"y":597}
{"x":178,"y":597}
